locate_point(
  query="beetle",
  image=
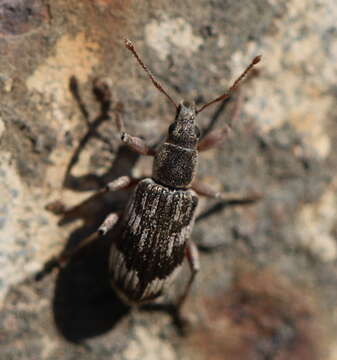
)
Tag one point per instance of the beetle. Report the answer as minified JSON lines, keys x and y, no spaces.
{"x":154,"y":231}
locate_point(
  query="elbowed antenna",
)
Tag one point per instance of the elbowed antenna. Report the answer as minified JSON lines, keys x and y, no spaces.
{"x":228,"y":93}
{"x":155,"y":82}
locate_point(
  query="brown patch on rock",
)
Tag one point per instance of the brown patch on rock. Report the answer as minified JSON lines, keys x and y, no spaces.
{"x":262,"y":317}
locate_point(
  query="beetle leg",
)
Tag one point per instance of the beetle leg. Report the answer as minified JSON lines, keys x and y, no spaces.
{"x":109,"y":222}
{"x":59,"y":208}
{"x":135,"y":143}
{"x":194,"y":263}
{"x":213,"y":139}
{"x":65,"y":257}
{"x":106,"y":226}
{"x":217,"y":136}
{"x":121,"y":183}
{"x":235,"y":198}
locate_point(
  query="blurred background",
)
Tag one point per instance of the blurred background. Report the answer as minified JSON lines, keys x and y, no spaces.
{"x":267,"y":287}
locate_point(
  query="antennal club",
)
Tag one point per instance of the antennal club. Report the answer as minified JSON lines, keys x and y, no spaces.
{"x":155,"y":82}
{"x":227,"y":94}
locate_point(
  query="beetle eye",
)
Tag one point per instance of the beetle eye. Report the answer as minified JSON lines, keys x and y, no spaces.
{"x":171,"y":128}
{"x":197,"y":132}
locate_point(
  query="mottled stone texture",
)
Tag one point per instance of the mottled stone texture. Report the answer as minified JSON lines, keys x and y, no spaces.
{"x":268,"y":282}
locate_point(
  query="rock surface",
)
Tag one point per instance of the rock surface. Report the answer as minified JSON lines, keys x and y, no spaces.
{"x":268,"y":284}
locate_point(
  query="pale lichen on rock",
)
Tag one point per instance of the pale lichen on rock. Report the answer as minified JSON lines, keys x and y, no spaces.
{"x":297,"y":73}
{"x":161,"y":35}
{"x":316,"y":225}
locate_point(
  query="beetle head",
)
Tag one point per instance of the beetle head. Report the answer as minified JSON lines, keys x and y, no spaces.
{"x":183,"y":131}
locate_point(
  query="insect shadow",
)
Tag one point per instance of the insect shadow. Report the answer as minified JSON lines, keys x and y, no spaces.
{"x":84,"y":303}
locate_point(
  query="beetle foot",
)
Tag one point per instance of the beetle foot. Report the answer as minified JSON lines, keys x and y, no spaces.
{"x":57,"y":207}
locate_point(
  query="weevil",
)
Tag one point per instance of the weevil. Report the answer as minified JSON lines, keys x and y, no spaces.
{"x":154,"y":231}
